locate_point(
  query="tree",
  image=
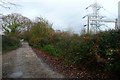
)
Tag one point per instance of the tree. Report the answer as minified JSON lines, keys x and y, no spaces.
{"x":4,"y":4}
{"x":15,"y":23}
{"x":41,"y":31}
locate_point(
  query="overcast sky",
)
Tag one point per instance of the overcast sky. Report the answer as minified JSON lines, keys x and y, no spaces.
{"x":64,"y":14}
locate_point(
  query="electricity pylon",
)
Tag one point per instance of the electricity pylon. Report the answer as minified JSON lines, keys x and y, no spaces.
{"x":94,"y":20}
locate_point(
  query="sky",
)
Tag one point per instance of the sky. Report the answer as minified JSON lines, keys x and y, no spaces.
{"x":64,"y":14}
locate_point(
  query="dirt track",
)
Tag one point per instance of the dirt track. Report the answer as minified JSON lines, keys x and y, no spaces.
{"x":24,"y":63}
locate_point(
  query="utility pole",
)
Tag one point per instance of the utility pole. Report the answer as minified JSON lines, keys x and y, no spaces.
{"x":119,"y":15}
{"x":88,"y":19}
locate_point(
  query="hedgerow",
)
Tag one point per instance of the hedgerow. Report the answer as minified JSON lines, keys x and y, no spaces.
{"x":96,"y":52}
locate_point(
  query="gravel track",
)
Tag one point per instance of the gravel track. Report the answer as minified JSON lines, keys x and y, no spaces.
{"x":24,"y":63}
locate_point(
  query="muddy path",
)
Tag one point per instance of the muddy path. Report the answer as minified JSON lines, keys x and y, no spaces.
{"x":24,"y":63}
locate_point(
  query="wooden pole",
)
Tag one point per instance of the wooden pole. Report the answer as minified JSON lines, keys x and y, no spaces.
{"x":88,"y":24}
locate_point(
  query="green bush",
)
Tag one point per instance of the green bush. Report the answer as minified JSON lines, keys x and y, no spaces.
{"x":110,"y":49}
{"x":82,"y":50}
{"x":52,"y":50}
{"x":9,"y":43}
{"x":109,"y":40}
